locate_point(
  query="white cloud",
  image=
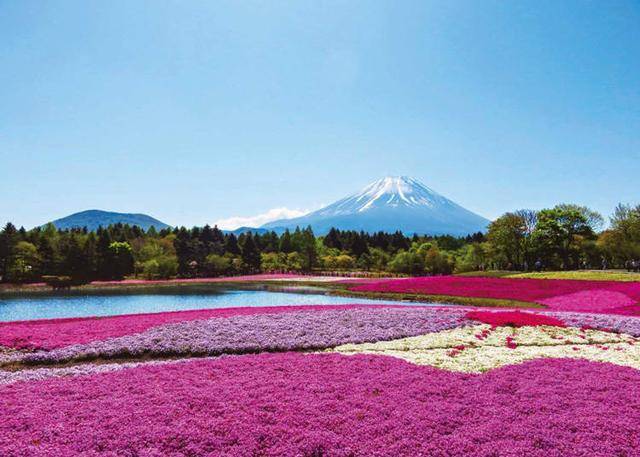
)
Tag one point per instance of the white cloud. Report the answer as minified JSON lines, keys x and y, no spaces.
{"x":273,"y":214}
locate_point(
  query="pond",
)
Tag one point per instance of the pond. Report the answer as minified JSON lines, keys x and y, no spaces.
{"x":112,"y":303}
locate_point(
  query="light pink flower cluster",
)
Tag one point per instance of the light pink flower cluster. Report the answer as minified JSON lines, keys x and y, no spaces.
{"x":56,"y":333}
{"x":257,"y":332}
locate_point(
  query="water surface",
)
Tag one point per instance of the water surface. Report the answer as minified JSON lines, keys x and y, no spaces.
{"x":82,"y":304}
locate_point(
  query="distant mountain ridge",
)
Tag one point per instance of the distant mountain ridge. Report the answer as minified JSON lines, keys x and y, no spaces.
{"x":241,"y":230}
{"x":94,"y":218}
{"x":390,"y":204}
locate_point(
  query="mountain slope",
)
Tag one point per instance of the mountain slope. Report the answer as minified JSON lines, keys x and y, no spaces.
{"x":241,"y":230}
{"x":93,"y":218}
{"x":390,"y":204}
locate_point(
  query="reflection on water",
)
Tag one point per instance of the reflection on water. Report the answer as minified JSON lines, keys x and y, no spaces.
{"x":82,"y":303}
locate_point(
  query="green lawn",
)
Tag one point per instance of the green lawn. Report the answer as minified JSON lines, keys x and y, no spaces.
{"x":584,"y":275}
{"x":487,"y":274}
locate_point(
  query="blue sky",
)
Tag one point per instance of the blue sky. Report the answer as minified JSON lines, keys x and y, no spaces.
{"x":195,"y":112}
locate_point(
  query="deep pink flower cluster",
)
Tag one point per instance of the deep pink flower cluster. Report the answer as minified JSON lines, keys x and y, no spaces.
{"x":314,"y":405}
{"x":513,"y":318}
{"x":56,"y":333}
{"x":557,"y":294}
{"x":241,"y":334}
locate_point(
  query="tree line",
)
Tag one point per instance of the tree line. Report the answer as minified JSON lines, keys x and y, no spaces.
{"x":564,"y":237}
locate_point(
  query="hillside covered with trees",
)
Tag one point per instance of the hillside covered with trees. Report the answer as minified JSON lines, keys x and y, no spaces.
{"x":563,"y":237}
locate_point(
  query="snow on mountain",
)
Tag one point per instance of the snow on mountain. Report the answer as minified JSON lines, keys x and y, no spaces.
{"x":390,"y":204}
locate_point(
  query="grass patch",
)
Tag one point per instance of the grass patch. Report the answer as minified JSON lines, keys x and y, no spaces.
{"x":444,"y":299}
{"x":582,"y":275}
{"x":486,"y":274}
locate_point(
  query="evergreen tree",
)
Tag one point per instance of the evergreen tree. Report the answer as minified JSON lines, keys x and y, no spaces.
{"x":308,"y":249}
{"x":359,"y":245}
{"x":48,"y":258}
{"x":270,"y":242}
{"x":231,"y":245}
{"x":90,"y":257}
{"x":250,"y":253}
{"x":217,"y":235}
{"x":8,"y":239}
{"x":296,"y":239}
{"x":73,"y":260}
{"x":103,"y":254}
{"x":285,"y":242}
{"x":332,"y":239}
{"x":182,"y":245}
{"x":399,"y":242}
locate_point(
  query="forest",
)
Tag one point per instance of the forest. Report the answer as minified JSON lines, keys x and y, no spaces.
{"x":564,"y":237}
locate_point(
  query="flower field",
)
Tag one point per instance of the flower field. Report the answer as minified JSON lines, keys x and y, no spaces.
{"x":357,"y":380}
{"x":611,"y":297}
{"x":56,"y":333}
{"x":295,"y":404}
{"x":253,"y":333}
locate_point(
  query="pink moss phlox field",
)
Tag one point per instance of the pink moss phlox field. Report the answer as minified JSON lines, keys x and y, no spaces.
{"x":605,"y":322}
{"x":312,"y":405}
{"x":513,"y":319}
{"x":240,"y":334}
{"x":604,"y":301}
{"x":56,"y":333}
{"x":38,"y":374}
{"x":557,"y":294}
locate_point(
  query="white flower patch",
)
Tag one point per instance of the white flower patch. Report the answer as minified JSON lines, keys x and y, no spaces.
{"x":480,"y":348}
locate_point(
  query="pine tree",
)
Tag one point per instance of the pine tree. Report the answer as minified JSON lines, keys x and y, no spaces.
{"x":216,"y":235}
{"x":48,"y":265}
{"x":103,"y":260}
{"x":250,"y":254}
{"x":285,"y":242}
{"x":72,"y":257}
{"x":270,"y":242}
{"x":182,"y":245}
{"x":308,"y":249}
{"x":231,"y":244}
{"x":359,"y":245}
{"x":399,"y":242}
{"x":90,"y":257}
{"x":8,"y":239}
{"x":332,"y":239}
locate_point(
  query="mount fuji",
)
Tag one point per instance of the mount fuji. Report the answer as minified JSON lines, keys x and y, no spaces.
{"x":390,"y":204}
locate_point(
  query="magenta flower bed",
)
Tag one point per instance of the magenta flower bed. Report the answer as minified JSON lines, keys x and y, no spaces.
{"x":557,"y":294}
{"x":513,"y":319}
{"x":240,"y":334}
{"x":327,"y":405}
{"x":56,"y":333}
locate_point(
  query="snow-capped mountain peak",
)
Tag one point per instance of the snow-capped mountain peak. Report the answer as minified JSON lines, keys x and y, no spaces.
{"x":391,"y":191}
{"x":389,"y":204}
